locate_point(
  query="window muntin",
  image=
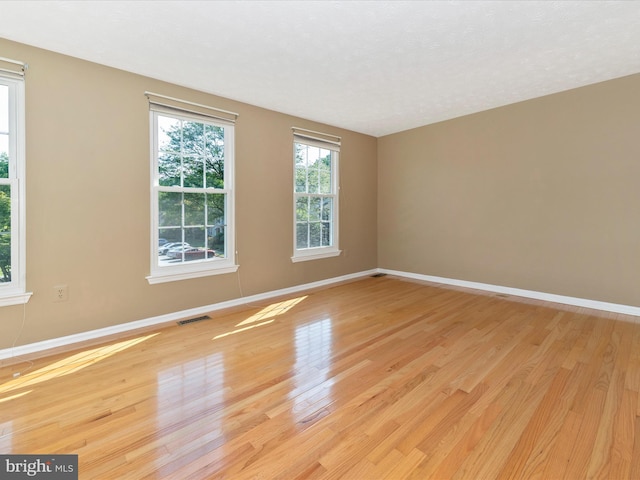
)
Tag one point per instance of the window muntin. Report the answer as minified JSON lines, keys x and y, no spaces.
{"x":192,"y":196}
{"x":12,"y":198}
{"x":316,"y":200}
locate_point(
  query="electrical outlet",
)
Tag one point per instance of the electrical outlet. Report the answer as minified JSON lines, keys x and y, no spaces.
{"x":60,"y":293}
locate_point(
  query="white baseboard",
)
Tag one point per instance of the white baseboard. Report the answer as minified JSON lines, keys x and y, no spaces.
{"x":549,"y":297}
{"x":169,"y":317}
{"x":192,"y":312}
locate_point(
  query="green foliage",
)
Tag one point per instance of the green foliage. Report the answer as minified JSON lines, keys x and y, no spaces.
{"x":5,"y":221}
{"x":4,"y":165}
{"x":5,"y":233}
{"x":313,"y":170}
{"x":192,"y":156}
{"x":313,"y":211}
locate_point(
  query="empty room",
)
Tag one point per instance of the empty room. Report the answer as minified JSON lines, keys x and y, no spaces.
{"x":319,"y":239}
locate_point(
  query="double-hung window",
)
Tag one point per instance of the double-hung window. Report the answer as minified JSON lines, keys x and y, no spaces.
{"x":192,"y":192}
{"x":315,"y":195}
{"x":12,"y":188}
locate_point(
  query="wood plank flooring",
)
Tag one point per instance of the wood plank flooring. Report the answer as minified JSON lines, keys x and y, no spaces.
{"x":381,"y":378}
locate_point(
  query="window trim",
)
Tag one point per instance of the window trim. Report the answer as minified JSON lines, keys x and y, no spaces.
{"x":302,"y":136}
{"x":14,"y":292}
{"x":185,"y":271}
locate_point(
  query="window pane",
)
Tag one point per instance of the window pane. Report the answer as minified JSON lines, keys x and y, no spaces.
{"x":300,"y":155}
{"x":4,"y":131}
{"x":215,"y":171}
{"x":324,"y":181}
{"x":326,"y":234}
{"x":191,"y":155}
{"x":4,"y":156}
{"x":301,"y":180}
{"x":171,"y":235}
{"x":313,"y":154}
{"x":4,"y":109}
{"x":302,"y":235}
{"x":214,"y":156}
{"x":327,"y":204}
{"x":195,"y":236}
{"x":302,"y":209}
{"x":194,"y":209}
{"x":169,"y":134}
{"x":193,"y":168}
{"x":315,"y":177}
{"x":325,"y":161}
{"x":5,"y":233}
{"x":169,"y":168}
{"x":315,"y":204}
{"x":169,"y":209}
{"x":193,"y":138}
{"x":314,"y":234}
{"x":314,"y":180}
{"x":216,"y":240}
{"x":216,"y":207}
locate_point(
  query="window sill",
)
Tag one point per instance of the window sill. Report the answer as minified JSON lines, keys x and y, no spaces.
{"x":14,"y":299}
{"x":177,"y":276}
{"x":314,"y":254}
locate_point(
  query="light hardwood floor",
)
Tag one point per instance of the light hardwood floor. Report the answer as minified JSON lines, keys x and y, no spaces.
{"x":373,"y":379}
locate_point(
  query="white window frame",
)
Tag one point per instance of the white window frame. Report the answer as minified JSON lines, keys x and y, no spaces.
{"x":315,"y":139}
{"x":187,"y":270}
{"x":14,"y":292}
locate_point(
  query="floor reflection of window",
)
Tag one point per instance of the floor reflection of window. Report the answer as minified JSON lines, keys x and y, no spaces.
{"x":6,"y":437}
{"x":313,"y":388}
{"x":191,"y":402}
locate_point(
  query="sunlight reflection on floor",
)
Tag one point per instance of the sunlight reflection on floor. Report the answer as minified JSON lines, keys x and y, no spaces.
{"x":314,"y":348}
{"x":273,"y":310}
{"x":71,"y":364}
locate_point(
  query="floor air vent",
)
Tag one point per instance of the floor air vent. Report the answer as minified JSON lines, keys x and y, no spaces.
{"x":191,"y":320}
{"x":376,"y":275}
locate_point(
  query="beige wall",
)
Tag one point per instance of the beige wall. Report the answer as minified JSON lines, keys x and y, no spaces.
{"x":541,"y":195}
{"x":88,"y":201}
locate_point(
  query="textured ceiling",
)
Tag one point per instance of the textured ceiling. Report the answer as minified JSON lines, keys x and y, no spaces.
{"x":375,"y":67}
